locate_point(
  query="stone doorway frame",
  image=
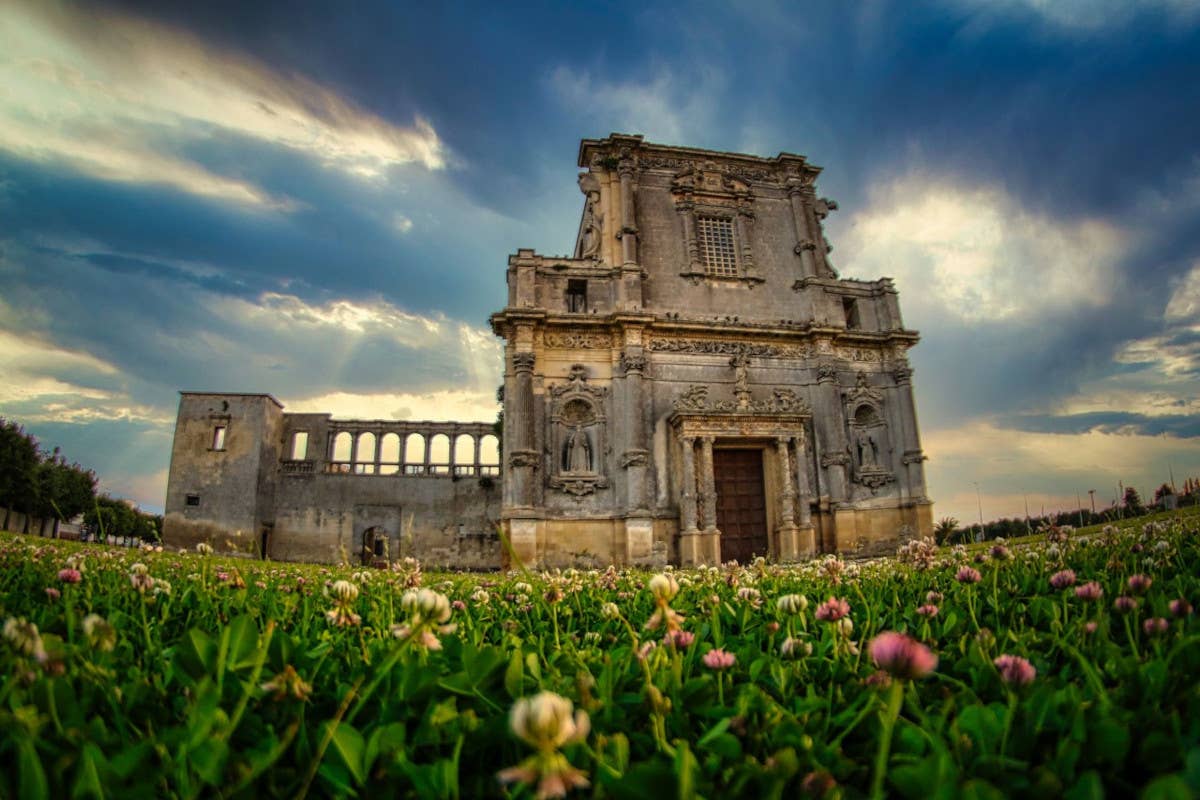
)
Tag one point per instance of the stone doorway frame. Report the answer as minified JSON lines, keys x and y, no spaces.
{"x":695,"y":434}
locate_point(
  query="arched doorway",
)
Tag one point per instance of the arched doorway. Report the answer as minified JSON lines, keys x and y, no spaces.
{"x":375,"y":546}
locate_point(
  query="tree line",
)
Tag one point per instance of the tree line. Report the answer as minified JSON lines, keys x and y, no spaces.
{"x":949,"y":530}
{"x":43,"y":484}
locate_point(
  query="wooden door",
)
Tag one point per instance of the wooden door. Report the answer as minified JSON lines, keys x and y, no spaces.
{"x":741,"y":504}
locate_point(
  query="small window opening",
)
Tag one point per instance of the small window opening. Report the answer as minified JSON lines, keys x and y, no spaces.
{"x":193,"y":499}
{"x":300,"y":445}
{"x":577,"y":296}
{"x":218,"y":440}
{"x":850,"y":307}
{"x":717,"y":246}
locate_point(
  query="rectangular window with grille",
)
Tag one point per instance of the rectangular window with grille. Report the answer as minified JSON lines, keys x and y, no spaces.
{"x":717,"y":246}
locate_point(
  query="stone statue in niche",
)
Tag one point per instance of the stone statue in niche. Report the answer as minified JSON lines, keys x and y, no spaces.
{"x":577,"y":451}
{"x":868,"y":450}
{"x":578,"y":444}
{"x":593,"y":217}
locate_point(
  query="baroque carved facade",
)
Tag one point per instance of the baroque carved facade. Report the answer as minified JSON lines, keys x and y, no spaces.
{"x":696,"y":380}
{"x":693,"y":384}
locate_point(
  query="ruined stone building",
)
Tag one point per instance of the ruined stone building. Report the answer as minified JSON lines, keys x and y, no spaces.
{"x":694,"y":384}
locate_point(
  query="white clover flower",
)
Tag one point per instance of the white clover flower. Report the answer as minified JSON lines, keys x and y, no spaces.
{"x":610,"y":611}
{"x":344,"y":591}
{"x":792,"y":604}
{"x":664,"y":587}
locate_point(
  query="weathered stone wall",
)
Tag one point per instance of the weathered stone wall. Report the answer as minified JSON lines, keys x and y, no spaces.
{"x":230,"y":486}
{"x":318,"y":506}
{"x":441,"y":520}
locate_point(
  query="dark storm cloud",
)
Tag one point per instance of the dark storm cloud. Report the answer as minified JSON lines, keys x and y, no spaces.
{"x":1122,"y":422}
{"x":1094,"y":123}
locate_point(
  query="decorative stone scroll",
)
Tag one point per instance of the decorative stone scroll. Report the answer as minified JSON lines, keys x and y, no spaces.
{"x":782,"y":401}
{"x":632,"y":363}
{"x":577,"y":440}
{"x":724,"y":347}
{"x":576,"y":340}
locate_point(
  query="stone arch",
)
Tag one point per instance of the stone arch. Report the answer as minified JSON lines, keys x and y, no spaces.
{"x":464,"y":454}
{"x":375,"y":545}
{"x":414,"y":454}
{"x":340,"y":451}
{"x":389,"y":454}
{"x":489,"y":455}
{"x":364,"y":454}
{"x":439,"y":454}
{"x":866,"y":415}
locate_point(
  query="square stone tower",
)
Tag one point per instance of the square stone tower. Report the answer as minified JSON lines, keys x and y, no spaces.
{"x":695,"y":383}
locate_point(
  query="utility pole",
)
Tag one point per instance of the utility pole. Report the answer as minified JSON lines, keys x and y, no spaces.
{"x":979,"y":500}
{"x":1092,"y":493}
{"x":1028,"y":530}
{"x":1079,"y":505}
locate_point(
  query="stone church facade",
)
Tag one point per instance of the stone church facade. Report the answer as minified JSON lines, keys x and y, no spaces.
{"x":694,"y":384}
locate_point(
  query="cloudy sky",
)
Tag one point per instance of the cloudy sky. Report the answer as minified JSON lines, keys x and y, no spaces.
{"x":316,"y":200}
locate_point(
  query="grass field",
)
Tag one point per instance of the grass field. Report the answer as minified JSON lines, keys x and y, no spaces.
{"x":1044,"y":667}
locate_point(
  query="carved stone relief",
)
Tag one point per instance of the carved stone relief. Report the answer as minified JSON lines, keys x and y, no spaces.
{"x":577,"y":440}
{"x":576,"y":340}
{"x":867,"y":435}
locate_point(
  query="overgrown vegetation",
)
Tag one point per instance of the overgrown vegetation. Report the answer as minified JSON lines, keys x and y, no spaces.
{"x":1061,"y":667}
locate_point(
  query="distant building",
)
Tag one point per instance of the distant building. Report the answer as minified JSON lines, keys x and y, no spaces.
{"x":694,"y":384}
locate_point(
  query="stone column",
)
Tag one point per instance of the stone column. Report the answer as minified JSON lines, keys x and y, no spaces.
{"x":913,"y":456}
{"x":835,"y":458}
{"x":786,"y":534}
{"x":353,"y":453}
{"x":636,"y":454}
{"x":522,"y":455}
{"x":689,"y":534}
{"x":804,"y":243}
{"x":378,"y":450}
{"x":712,"y":535}
{"x":629,"y":231}
{"x":742,"y":222}
{"x":806,"y":540}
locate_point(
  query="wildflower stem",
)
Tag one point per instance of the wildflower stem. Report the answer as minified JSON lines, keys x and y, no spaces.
{"x":890,"y":714}
{"x":1132,"y":641}
{"x":1008,"y":719}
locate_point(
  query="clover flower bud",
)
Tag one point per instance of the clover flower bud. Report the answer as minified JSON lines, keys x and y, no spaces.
{"x":344,"y":591}
{"x":929,"y":610}
{"x":69,"y":575}
{"x":664,"y":587}
{"x":99,"y":633}
{"x":1124,"y":604}
{"x":1089,"y":591}
{"x":546,"y":721}
{"x":1063,"y":579}
{"x":1015,"y":671}
{"x":718,"y":659}
{"x":1155,"y":626}
{"x":902,"y":656}
{"x":1139,"y":583}
{"x":792,"y":604}
{"x":832,"y":610}
{"x":1180,"y":608}
{"x":968,"y":575}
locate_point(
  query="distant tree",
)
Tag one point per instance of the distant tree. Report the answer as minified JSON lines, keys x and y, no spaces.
{"x":1161,"y":492}
{"x":18,"y":467}
{"x":944,"y":530}
{"x":63,"y":490}
{"x":1133,"y":502}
